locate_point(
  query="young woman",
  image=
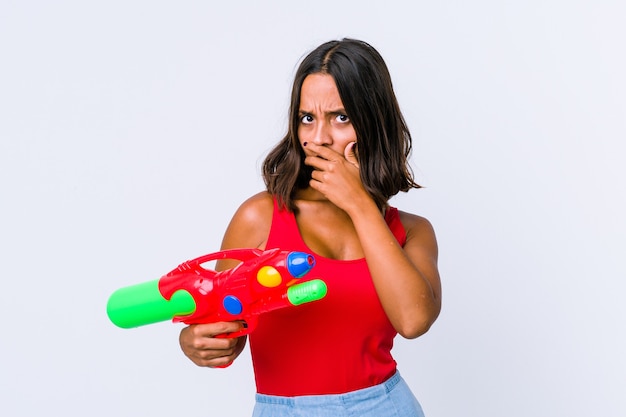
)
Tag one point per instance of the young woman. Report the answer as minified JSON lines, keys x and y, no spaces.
{"x":328,"y":182}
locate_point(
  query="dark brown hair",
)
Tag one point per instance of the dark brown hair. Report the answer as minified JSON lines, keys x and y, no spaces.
{"x":384,"y":141}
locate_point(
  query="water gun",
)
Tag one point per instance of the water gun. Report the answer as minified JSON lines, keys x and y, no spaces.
{"x":262,"y":282}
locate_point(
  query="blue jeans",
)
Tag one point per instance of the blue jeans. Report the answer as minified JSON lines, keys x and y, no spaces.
{"x":392,"y":398}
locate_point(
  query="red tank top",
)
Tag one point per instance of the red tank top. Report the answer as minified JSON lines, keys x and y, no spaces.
{"x":338,"y":344}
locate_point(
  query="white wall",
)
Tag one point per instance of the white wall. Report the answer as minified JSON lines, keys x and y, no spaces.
{"x":131,"y":130}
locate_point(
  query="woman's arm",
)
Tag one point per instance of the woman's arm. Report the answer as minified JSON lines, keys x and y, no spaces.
{"x":248,"y":228}
{"x":406,"y":279}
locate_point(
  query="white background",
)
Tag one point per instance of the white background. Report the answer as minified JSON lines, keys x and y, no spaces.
{"x":131,"y":130}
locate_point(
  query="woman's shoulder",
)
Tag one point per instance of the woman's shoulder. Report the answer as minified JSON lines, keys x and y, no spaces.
{"x":251,"y":222}
{"x":415,"y":225}
{"x":257,"y":209}
{"x":411,"y":218}
{"x":262,"y":201}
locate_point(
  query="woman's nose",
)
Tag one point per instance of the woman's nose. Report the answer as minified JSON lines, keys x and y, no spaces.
{"x":322,"y":135}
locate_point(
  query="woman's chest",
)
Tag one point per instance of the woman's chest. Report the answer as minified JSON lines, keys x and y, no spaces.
{"x":331,"y":236}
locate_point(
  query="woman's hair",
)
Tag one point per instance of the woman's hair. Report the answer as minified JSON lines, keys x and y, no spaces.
{"x":384,"y":141}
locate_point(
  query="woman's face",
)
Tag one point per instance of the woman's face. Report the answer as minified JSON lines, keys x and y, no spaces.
{"x":322,"y":117}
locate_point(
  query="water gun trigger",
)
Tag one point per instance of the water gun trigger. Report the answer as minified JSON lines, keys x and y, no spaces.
{"x":247,"y":326}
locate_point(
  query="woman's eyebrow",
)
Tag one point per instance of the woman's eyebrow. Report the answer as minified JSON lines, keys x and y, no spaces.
{"x":340,"y":110}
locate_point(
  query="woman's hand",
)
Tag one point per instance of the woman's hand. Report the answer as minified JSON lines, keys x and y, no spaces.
{"x":336,"y":175}
{"x":249,"y":228}
{"x":199,"y":343}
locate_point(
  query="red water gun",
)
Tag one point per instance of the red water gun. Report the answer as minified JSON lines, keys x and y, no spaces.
{"x":262,"y":282}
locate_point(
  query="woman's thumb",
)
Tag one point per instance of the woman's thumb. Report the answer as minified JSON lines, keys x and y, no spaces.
{"x":350,"y":154}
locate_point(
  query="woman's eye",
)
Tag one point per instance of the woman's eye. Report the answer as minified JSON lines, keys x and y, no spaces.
{"x":343,"y":118}
{"x":306,"y":119}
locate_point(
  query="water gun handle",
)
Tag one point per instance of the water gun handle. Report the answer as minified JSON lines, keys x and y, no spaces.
{"x":236,"y":254}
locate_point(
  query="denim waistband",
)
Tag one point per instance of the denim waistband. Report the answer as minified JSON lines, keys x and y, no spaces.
{"x":333,"y":399}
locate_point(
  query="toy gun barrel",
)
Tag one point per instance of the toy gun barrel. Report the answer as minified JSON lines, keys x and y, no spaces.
{"x":142,"y":304}
{"x":306,"y":292}
{"x":295,"y":295}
